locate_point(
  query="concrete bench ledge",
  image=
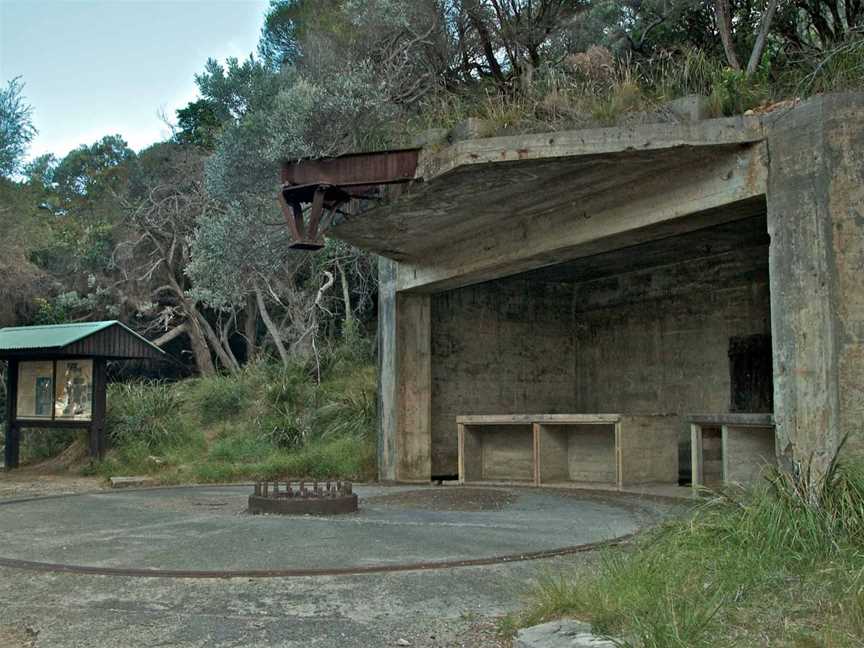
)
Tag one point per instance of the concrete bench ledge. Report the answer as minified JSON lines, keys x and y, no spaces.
{"x":560,"y":634}
{"x":131,"y":482}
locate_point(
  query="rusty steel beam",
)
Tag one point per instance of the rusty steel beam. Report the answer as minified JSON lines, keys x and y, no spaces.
{"x":357,"y":169}
{"x":325,"y":185}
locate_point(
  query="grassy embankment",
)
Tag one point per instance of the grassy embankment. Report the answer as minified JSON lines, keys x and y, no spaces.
{"x":763,"y":568}
{"x":265,"y":422}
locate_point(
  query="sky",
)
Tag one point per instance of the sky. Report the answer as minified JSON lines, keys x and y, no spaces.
{"x":101,"y":67}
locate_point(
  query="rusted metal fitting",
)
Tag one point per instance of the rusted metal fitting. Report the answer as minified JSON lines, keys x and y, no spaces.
{"x":294,"y":497}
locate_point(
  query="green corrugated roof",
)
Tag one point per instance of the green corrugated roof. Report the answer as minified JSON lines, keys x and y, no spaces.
{"x":55,"y":336}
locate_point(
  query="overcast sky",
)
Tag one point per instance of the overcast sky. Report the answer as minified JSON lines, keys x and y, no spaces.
{"x":100,"y":67}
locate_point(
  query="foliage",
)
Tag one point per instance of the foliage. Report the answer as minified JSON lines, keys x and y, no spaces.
{"x":265,"y":421}
{"x":218,"y":398}
{"x":728,"y":574}
{"x":16,"y":127}
{"x":145,"y":415}
{"x":199,"y":124}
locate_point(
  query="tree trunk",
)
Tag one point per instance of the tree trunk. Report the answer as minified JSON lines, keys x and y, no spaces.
{"x":271,"y":327}
{"x":482,"y":29}
{"x":250,"y":328}
{"x":762,"y":37}
{"x":203,"y":359}
{"x":724,"y":26}
{"x":346,"y":297}
{"x":227,"y":358}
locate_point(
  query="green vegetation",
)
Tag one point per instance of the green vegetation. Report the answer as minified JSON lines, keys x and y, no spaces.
{"x":265,"y":422}
{"x":769,"y":567}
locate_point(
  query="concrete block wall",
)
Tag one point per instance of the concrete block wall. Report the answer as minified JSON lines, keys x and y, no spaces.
{"x":649,"y":342}
{"x":657,"y":341}
{"x":498,"y":348}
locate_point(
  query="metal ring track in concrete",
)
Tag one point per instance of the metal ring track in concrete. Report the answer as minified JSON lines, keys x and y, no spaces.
{"x":147,"y":572}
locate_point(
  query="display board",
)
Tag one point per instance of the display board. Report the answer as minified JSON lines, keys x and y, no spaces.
{"x":50,"y":390}
{"x":36,"y":390}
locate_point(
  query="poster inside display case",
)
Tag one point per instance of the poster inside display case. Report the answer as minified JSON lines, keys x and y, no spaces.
{"x":74,"y":390}
{"x":60,"y":390}
{"x":35,"y":390}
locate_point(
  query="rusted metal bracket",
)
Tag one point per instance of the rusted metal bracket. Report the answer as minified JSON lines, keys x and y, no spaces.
{"x":329,"y":184}
{"x":308,"y":229}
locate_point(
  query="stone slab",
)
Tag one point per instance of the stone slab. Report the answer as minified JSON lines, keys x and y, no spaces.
{"x":131,"y":482}
{"x":560,"y":634}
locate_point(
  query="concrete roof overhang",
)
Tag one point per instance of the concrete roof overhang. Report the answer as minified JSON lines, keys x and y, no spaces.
{"x":487,"y":208}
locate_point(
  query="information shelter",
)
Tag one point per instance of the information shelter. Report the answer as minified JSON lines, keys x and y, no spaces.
{"x":56,"y":377}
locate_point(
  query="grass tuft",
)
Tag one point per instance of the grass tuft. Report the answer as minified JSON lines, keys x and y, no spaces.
{"x":772,"y":566}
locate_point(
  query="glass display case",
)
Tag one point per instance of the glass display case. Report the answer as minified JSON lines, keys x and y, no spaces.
{"x":36,"y":390}
{"x":60,"y":390}
{"x":73,"y":398}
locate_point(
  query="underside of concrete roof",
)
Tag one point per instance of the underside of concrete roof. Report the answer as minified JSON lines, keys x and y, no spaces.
{"x":485,"y":208}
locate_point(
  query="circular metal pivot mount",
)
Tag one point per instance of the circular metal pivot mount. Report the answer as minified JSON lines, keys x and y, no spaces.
{"x":298,"y":498}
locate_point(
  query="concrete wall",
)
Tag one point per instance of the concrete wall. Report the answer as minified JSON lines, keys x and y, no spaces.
{"x":657,"y":341}
{"x":816,"y":222}
{"x":498,"y":348}
{"x":648,"y":342}
{"x":747,"y":451}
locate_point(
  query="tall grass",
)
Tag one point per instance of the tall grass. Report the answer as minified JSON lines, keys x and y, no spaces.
{"x":145,"y":414}
{"x":595,"y":88}
{"x":266,"y":421}
{"x":767,"y":567}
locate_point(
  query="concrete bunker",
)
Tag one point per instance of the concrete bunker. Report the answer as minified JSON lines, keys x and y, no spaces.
{"x":634,"y":341}
{"x":673,"y":270}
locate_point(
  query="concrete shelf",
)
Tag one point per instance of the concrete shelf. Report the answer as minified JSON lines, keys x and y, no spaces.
{"x":569,"y":449}
{"x":497,"y":451}
{"x":731,"y":448}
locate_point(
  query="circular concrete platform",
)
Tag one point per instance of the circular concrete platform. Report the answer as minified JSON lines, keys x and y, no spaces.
{"x":205,"y":531}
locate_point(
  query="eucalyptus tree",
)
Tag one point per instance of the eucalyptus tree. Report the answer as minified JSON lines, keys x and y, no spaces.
{"x":16,"y":127}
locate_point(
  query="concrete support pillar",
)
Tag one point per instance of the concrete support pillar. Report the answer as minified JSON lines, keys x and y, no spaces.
{"x":816,"y":223}
{"x":414,"y":346}
{"x":404,"y":380}
{"x":387,"y":384}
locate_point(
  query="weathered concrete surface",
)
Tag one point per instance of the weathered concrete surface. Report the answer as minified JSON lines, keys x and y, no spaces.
{"x":414,"y":358}
{"x":651,"y":341}
{"x":560,"y":634}
{"x":501,"y":207}
{"x":499,"y":348}
{"x":388,"y":390}
{"x":207,"y":529}
{"x":548,"y":221}
{"x":428,"y":609}
{"x":479,"y":185}
{"x":442,"y":609}
{"x":816,"y":221}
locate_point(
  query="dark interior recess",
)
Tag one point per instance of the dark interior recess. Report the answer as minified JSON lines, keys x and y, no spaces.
{"x":751,"y":374}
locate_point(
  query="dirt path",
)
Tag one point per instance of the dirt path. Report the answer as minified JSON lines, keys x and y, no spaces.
{"x":30,"y":482}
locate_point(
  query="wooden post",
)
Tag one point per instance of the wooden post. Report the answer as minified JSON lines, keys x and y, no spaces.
{"x":97,"y":422}
{"x":696,"y":466}
{"x":13,"y":432}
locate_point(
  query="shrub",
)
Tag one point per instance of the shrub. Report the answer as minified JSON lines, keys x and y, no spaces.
{"x":145,"y":414}
{"x":220,"y":398}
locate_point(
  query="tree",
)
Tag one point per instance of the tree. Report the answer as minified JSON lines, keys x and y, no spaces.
{"x":724,"y":20}
{"x":166,"y":201}
{"x":236,"y":254}
{"x":86,"y":189}
{"x":16,"y":127}
{"x":199,"y":124}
